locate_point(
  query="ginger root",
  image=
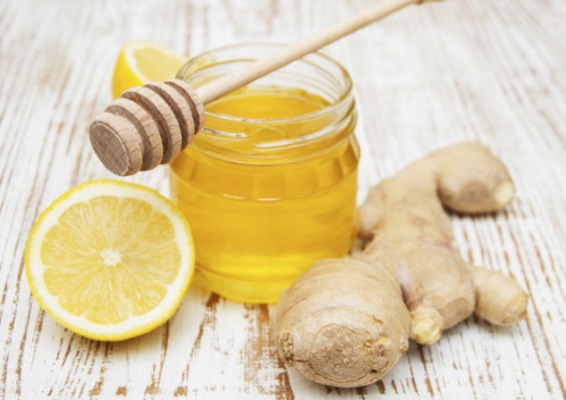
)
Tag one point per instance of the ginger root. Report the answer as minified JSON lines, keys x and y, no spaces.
{"x":346,"y":322}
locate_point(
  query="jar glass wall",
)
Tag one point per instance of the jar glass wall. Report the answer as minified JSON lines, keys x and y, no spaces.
{"x":269,"y":185}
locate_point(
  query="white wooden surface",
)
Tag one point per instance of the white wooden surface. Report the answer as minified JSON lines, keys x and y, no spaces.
{"x":493,"y":70}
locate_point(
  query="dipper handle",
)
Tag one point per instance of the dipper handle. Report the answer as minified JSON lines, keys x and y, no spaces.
{"x":150,"y":125}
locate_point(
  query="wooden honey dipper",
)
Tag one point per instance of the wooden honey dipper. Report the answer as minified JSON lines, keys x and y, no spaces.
{"x":150,"y":125}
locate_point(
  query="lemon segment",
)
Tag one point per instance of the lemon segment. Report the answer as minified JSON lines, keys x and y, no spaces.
{"x":141,"y":62}
{"x":110,"y":260}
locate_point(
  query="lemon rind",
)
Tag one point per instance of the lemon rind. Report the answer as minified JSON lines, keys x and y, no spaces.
{"x":134,"y":325}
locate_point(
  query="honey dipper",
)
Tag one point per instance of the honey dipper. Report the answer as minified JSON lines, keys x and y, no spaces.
{"x":150,"y":125}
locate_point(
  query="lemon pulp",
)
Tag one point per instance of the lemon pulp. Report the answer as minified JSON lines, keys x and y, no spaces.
{"x":141,"y":62}
{"x":107,"y":273}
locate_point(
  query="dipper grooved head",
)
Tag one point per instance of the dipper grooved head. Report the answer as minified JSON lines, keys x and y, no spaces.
{"x":146,"y":126}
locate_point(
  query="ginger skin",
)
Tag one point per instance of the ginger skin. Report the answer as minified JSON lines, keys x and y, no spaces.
{"x":345,"y":322}
{"x":336,"y":330}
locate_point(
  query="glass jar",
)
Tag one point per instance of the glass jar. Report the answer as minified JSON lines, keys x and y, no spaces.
{"x":269,"y":185}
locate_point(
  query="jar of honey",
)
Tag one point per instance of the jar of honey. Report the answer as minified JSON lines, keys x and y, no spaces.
{"x":269,"y":185}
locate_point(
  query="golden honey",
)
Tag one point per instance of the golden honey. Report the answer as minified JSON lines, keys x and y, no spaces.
{"x":269,"y":186}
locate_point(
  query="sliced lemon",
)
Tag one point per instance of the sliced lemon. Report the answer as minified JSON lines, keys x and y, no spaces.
{"x":110,"y":260}
{"x":141,"y":62}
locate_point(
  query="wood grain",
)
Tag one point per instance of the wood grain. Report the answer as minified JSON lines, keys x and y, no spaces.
{"x":428,"y":77}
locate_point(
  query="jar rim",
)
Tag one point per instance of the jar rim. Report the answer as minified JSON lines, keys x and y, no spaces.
{"x":344,"y":79}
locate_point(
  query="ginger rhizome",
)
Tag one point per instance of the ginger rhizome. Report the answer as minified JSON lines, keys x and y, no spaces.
{"x":346,"y":322}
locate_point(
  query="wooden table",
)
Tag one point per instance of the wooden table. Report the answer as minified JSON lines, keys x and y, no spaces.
{"x":491,"y":70}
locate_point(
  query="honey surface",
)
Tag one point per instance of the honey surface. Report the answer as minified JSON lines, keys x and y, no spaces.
{"x":260,"y":217}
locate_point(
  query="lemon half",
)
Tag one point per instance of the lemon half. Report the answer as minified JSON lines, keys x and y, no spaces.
{"x":110,"y":260}
{"x":141,"y":62}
